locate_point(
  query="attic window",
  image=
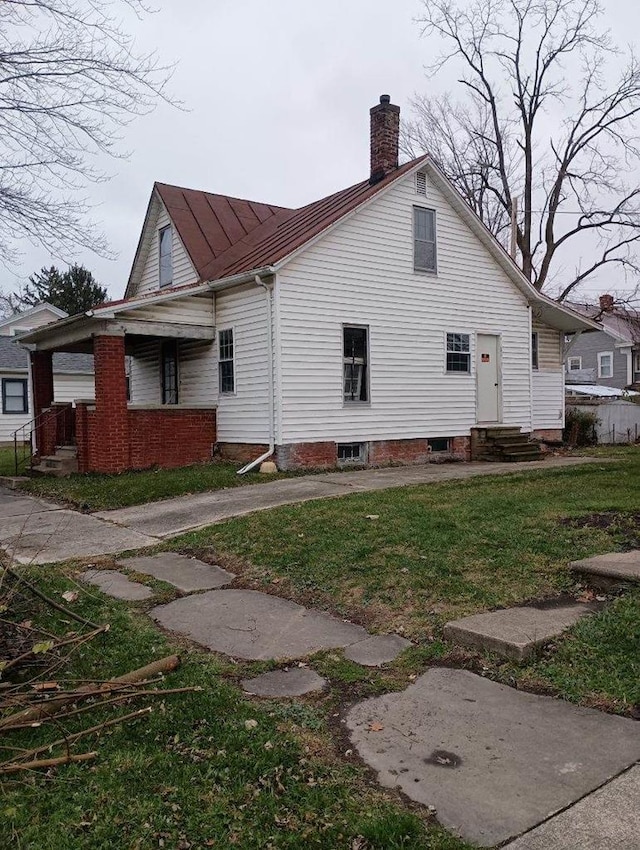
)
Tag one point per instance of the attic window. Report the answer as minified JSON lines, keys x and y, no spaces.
{"x":424,"y":239}
{"x":421,"y":183}
{"x":165,"y":238}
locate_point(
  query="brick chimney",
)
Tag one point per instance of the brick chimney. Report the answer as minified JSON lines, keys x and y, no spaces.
{"x":385,"y":137}
{"x":606,"y":303}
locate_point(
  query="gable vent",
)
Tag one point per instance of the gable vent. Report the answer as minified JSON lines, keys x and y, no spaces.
{"x":421,"y":183}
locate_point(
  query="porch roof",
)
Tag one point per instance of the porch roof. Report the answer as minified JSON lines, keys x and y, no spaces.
{"x":174,"y":315}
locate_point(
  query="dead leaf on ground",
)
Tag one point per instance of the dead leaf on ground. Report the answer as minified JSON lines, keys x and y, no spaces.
{"x":376,"y":727}
{"x":70,"y":595}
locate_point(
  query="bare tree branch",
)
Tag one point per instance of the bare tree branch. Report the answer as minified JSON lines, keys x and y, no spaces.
{"x":70,"y":78}
{"x":537,"y":120}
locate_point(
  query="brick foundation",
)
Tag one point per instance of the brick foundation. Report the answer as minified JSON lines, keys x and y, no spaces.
{"x":548,"y":435}
{"x":380,"y":453}
{"x":307,"y":456}
{"x":240,"y":452}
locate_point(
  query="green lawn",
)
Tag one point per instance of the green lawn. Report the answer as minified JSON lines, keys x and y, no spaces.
{"x":101,"y":492}
{"x":7,"y":461}
{"x":442,"y":551}
{"x":192,"y":775}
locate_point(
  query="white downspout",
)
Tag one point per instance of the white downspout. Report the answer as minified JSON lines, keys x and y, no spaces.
{"x":272,"y":429}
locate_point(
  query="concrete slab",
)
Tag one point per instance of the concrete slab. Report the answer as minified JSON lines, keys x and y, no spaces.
{"x":492,"y":760}
{"x":377,"y":650}
{"x":175,"y":516}
{"x":622,"y":566}
{"x":48,"y":536}
{"x":11,"y":504}
{"x":117,"y":585}
{"x":516,"y":632}
{"x":294,"y":682}
{"x":187,"y":574}
{"x":253,"y":625}
{"x":608,"y":819}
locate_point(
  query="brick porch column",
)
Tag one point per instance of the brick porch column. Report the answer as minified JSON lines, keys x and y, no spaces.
{"x":111,"y":450}
{"x":41,"y":365}
{"x":41,"y":380}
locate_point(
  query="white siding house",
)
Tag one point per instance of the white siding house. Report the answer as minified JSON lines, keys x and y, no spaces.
{"x":362,"y":273}
{"x":380,"y":324}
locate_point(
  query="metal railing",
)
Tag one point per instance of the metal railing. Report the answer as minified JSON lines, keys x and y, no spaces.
{"x":23,"y":438}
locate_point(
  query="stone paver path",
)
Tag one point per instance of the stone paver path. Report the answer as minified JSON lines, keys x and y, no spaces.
{"x":516,"y":632}
{"x":377,"y":650}
{"x":294,"y":682}
{"x":117,"y":585}
{"x":492,"y":760}
{"x":253,"y":625}
{"x":620,"y":566}
{"x":187,"y":574}
{"x":608,"y":819}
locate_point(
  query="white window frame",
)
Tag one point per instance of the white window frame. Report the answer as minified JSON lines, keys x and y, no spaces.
{"x":231,"y":360}
{"x":448,"y":371}
{"x":601,"y":355}
{"x":366,"y":362}
{"x":570,"y":360}
{"x":416,"y":267}
{"x":635,"y":372}
{"x":168,"y":229}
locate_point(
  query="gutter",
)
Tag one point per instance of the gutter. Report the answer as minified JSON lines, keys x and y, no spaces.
{"x":271,"y":357}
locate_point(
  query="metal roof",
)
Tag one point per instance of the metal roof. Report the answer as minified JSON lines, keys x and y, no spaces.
{"x":226,"y":236}
{"x":598,"y":391}
{"x":210,"y":224}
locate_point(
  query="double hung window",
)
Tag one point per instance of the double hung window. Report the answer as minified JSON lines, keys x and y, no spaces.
{"x":355,"y":357}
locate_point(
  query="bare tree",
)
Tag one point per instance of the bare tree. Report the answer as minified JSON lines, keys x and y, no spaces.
{"x":69,"y":79}
{"x":541,"y":120}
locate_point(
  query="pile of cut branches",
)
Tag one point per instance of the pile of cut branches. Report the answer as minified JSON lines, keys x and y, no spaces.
{"x":36,"y":693}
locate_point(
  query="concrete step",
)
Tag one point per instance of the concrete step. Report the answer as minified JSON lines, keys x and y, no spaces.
{"x":497,"y":431}
{"x":614,"y":567}
{"x":510,"y":440}
{"x":66,"y":451}
{"x":529,"y":454}
{"x":516,"y":633}
{"x":58,"y":465}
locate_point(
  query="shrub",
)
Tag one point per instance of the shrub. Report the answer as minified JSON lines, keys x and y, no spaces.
{"x":580,"y":427}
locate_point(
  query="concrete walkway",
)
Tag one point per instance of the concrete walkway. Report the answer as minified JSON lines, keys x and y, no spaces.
{"x":185,"y":513}
{"x":39,"y":532}
{"x":33,"y":531}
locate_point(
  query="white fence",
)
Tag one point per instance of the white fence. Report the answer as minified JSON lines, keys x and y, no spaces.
{"x":618,"y":420}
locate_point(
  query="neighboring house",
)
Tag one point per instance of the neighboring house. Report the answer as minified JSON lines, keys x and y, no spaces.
{"x":72,"y":373}
{"x":611,"y":357}
{"x":381,"y":324}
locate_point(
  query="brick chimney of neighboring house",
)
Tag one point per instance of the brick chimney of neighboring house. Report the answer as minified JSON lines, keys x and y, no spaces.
{"x":606,"y":303}
{"x":385,"y":138}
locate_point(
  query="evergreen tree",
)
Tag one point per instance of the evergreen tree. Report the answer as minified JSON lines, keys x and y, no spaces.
{"x":73,"y":291}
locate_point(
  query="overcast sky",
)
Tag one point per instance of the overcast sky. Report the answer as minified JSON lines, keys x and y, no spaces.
{"x":278,"y":96}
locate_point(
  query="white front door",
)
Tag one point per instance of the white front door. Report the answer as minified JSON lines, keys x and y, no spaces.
{"x":488,"y":378}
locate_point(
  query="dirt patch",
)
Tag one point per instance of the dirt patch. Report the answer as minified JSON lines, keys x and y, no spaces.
{"x":624,"y":526}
